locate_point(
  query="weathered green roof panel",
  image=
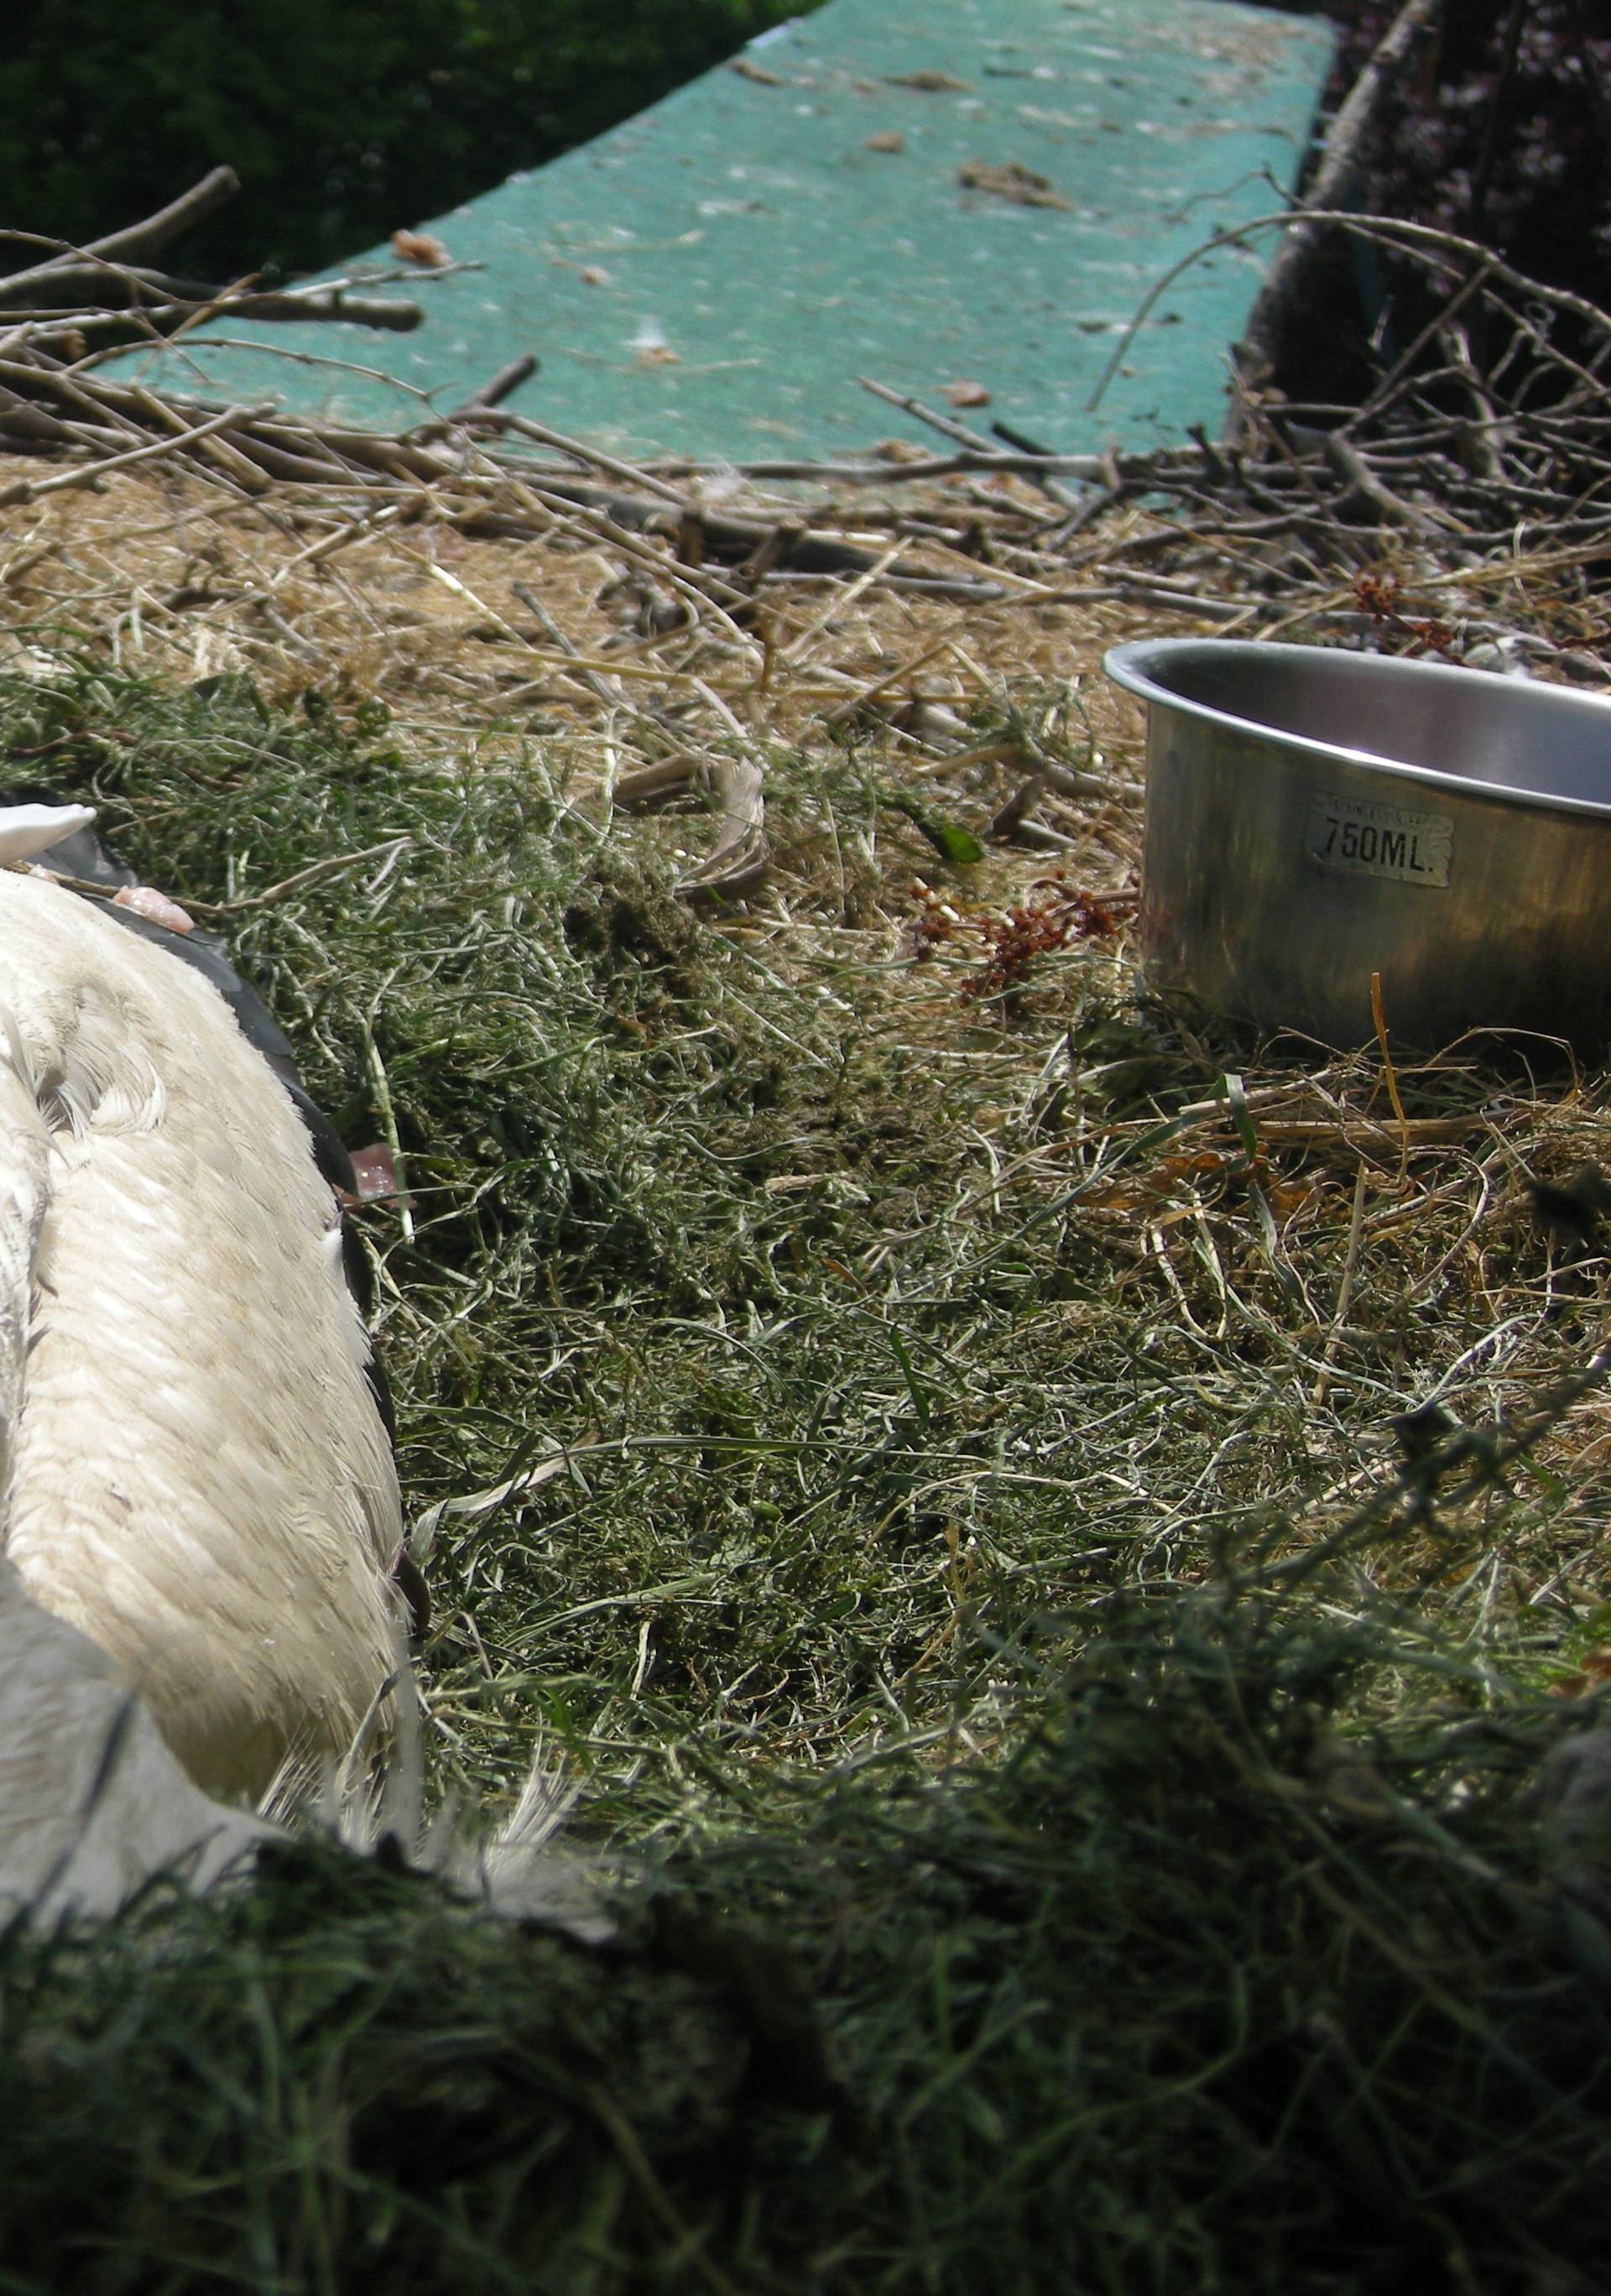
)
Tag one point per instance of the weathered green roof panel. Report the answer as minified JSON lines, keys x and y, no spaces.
{"x":923,"y":190}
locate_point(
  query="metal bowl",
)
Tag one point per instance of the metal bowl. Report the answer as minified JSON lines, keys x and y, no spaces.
{"x":1313,"y":818}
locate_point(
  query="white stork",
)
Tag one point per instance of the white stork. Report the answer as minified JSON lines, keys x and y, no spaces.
{"x":195,"y":1473}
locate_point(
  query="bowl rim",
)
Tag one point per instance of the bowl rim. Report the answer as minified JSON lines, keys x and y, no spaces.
{"x":1128,"y":665}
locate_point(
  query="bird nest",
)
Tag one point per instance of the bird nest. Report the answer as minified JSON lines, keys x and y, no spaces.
{"x":1071,"y":1528}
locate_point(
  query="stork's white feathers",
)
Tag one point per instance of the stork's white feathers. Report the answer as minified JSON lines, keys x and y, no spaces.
{"x":93,"y":1804}
{"x":195,"y":1475}
{"x":199,"y":1513}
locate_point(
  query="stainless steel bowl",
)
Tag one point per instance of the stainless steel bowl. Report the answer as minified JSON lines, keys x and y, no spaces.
{"x":1315,"y":816}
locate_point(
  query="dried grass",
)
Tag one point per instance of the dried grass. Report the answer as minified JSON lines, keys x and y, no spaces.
{"x":924,"y":1430}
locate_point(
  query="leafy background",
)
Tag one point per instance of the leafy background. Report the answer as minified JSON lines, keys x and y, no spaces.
{"x":342,"y":122}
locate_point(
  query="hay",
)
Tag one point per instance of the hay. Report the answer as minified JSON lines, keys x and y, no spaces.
{"x":945,"y":1449}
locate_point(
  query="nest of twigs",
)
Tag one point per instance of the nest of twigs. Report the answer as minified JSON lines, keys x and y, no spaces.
{"x":1458,"y":510}
{"x":1075,"y":1529}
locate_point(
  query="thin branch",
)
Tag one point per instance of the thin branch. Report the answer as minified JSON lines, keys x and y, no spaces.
{"x":216,"y":189}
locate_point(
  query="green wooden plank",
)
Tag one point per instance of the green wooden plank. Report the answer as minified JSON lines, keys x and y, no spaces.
{"x":710,"y":277}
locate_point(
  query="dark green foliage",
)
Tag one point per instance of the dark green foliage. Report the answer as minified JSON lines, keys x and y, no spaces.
{"x":342,"y":122}
{"x":1134,"y":2009}
{"x":1500,"y":133}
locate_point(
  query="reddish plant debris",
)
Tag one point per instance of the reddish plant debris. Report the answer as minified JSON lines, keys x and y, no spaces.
{"x":419,"y":247}
{"x":1592,"y":1673}
{"x":935,"y":923}
{"x":1053,"y":915}
{"x":931,"y":83}
{"x":1009,"y":181}
{"x":1032,"y":928}
{"x":1378,"y":595}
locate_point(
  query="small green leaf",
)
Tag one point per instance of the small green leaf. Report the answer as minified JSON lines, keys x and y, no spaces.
{"x":956,"y":845}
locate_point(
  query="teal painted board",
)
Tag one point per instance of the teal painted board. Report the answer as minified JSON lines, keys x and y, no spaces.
{"x":928,"y":191}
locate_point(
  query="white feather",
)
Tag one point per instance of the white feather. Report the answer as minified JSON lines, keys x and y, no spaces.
{"x":198,"y":1507}
{"x":195,"y":1474}
{"x":93,"y":1804}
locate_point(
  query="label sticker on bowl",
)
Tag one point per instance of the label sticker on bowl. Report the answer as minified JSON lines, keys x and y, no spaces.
{"x":1380,"y":841}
